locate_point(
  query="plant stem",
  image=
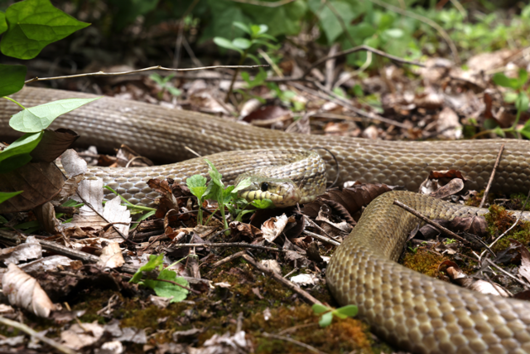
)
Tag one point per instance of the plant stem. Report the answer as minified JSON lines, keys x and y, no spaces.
{"x":12,"y":100}
{"x":243,"y":57}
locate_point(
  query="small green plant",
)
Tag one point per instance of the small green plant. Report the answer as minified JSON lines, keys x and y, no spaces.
{"x":164,"y":84}
{"x":226,"y":197}
{"x":245,"y":47}
{"x":516,"y":93}
{"x":328,"y":313}
{"x":26,"y":28}
{"x":449,"y":241}
{"x":162,"y":280}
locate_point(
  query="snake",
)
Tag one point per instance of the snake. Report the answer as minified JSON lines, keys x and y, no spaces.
{"x":410,"y":310}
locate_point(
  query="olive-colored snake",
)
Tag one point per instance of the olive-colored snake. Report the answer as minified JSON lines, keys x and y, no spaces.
{"x":417,"y":313}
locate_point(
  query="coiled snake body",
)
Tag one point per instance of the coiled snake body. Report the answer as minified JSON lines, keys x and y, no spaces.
{"x":418,"y":313}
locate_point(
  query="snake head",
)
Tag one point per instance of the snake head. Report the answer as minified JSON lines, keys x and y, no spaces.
{"x":282,"y":192}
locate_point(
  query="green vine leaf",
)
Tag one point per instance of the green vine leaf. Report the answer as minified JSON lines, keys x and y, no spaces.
{"x":3,"y":23}
{"x":32,"y":25}
{"x":12,"y":79}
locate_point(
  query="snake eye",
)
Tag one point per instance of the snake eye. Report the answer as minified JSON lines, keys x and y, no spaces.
{"x":264,"y":187}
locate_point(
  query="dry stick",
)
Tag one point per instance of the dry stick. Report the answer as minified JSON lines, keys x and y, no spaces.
{"x":157,"y":67}
{"x":34,"y":334}
{"x":65,"y":251}
{"x":265,"y":4}
{"x":281,"y":280}
{"x":423,"y":19}
{"x":353,"y":50}
{"x":290,"y":340}
{"x":228,"y":244}
{"x":322,"y":238}
{"x":492,"y":176}
{"x":430,"y":222}
{"x":180,"y":36}
{"x":348,"y":105}
{"x":511,"y":227}
{"x":228,"y":259}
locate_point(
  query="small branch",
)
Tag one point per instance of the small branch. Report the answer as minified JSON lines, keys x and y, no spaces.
{"x":425,"y":20}
{"x":265,"y":4}
{"x":157,"y":67}
{"x":228,"y":259}
{"x":322,"y":238}
{"x":358,"y":49}
{"x":31,"y":332}
{"x":430,"y":222}
{"x":492,"y":176}
{"x":281,"y":280}
{"x":177,"y":284}
{"x":228,"y":244}
{"x":287,"y":339}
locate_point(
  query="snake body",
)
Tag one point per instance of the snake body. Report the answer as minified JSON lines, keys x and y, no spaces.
{"x":418,"y":313}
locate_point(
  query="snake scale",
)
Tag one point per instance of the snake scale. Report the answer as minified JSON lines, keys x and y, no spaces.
{"x":417,"y":313}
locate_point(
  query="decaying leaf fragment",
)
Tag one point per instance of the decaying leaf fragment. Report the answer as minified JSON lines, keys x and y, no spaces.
{"x":24,"y":291}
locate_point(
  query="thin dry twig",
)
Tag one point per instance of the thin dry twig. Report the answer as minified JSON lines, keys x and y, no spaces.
{"x":33,"y":333}
{"x":492,"y":176}
{"x":281,"y":280}
{"x":157,"y":67}
{"x":290,"y":340}
{"x":265,"y":4}
{"x":228,"y":244}
{"x":358,"y":49}
{"x":322,"y":238}
{"x":228,"y":259}
{"x":430,"y":222}
{"x":427,"y":21}
{"x":510,"y":228}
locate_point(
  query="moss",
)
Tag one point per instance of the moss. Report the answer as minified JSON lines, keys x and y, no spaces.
{"x":499,"y":220}
{"x":424,"y":261}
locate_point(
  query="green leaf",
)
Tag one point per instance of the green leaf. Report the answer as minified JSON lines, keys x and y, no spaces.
{"x":22,"y":146}
{"x":244,"y":183}
{"x":154,"y":261}
{"x":33,"y":24}
{"x":499,"y":132}
{"x":8,"y":195}
{"x":242,"y":27}
{"x":318,"y":309}
{"x":523,"y":76}
{"x":12,"y":78}
{"x":347,"y":311}
{"x":167,"y":290}
{"x":214,"y":174}
{"x":225,"y":43}
{"x":522,"y":102}
{"x":157,"y":78}
{"x":394,"y":32}
{"x":263,"y":204}
{"x":174,"y":91}
{"x":326,"y":319}
{"x":3,"y":23}
{"x":504,"y":81}
{"x":258,"y":29}
{"x":197,"y":185}
{"x":241,"y":43}
{"x":40,"y":117}
{"x":358,"y":90}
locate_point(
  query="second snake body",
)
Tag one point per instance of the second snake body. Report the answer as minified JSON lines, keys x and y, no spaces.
{"x":416,"y":312}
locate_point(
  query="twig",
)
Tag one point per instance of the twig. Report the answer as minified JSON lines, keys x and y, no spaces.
{"x":228,"y":244}
{"x":228,"y":259}
{"x":511,"y":227}
{"x":175,"y":283}
{"x":423,"y":19}
{"x":358,"y":49}
{"x":430,"y":222}
{"x":281,"y":280}
{"x":507,"y":273}
{"x":265,"y":4}
{"x":33,"y":333}
{"x":157,"y":67}
{"x":287,"y":339}
{"x":342,"y":102}
{"x":322,"y":238}
{"x":492,"y":176}
{"x":65,"y":251}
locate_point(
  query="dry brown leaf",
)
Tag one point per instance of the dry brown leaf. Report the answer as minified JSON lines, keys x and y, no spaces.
{"x":111,"y":256}
{"x":78,"y":337}
{"x":31,"y":249}
{"x":24,"y":291}
{"x":273,"y":227}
